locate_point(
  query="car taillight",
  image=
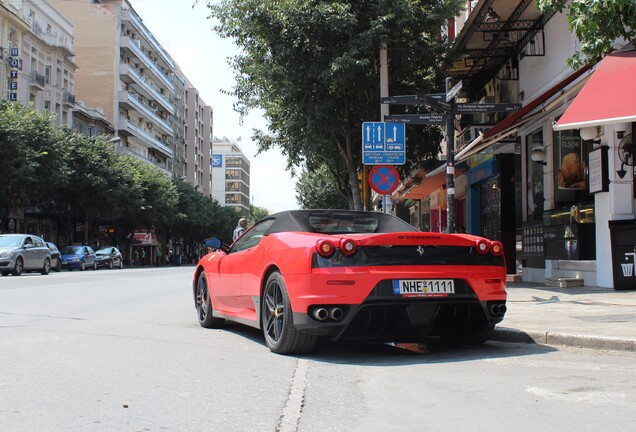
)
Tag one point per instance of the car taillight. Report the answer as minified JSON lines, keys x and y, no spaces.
{"x":325,"y":248}
{"x":496,"y":248}
{"x":482,"y":247}
{"x":348,"y":247}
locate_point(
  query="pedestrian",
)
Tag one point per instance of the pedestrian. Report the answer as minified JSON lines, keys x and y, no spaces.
{"x":157,"y":255}
{"x":143,"y":257}
{"x":240,"y":228}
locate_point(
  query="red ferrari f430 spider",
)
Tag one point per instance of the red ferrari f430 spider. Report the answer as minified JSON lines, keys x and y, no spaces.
{"x":350,"y":275}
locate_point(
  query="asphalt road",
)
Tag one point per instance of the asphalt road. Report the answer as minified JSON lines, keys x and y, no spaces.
{"x":120,"y":350}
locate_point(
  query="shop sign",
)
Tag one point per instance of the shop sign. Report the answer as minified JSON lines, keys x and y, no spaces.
{"x":598,"y":177}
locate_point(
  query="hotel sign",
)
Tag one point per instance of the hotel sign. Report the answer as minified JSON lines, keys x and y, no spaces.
{"x":14,"y":65}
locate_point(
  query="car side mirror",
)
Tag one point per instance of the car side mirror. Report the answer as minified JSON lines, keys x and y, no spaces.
{"x":216,"y":243}
{"x":29,"y":246}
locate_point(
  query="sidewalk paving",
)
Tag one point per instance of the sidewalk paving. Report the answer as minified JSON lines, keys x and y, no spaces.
{"x":590,"y":317}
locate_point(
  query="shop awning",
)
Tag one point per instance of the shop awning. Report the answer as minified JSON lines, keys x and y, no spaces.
{"x":608,"y":96}
{"x":144,"y":239}
{"x":525,"y":115}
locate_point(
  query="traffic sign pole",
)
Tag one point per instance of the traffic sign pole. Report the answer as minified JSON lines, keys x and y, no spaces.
{"x":450,"y":166}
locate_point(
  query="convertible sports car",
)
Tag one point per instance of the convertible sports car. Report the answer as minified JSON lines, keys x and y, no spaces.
{"x":351,"y":275}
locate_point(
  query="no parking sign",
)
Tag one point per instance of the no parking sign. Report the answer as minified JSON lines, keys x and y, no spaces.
{"x":384,"y":179}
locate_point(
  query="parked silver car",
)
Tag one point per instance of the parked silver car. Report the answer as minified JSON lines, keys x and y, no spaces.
{"x":23,"y":252}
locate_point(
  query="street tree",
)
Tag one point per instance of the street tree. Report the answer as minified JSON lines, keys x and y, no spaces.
{"x":90,"y":185}
{"x":317,"y":189}
{"x":199,"y":217}
{"x":28,"y":158}
{"x":597,"y":25}
{"x":313,"y":67}
{"x":257,"y":213}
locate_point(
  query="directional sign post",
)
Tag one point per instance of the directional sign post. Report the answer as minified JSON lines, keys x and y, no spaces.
{"x":444,"y":102}
{"x":383,"y":143}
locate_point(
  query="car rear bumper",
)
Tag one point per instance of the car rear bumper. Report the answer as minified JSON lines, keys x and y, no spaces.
{"x":401,"y":321}
{"x":364,"y":307}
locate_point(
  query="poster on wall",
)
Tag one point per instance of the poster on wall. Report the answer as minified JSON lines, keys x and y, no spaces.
{"x":570,"y":164}
{"x":569,"y":170}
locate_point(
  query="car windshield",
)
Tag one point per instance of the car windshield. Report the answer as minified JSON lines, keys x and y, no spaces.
{"x":10,"y":241}
{"x":73,"y":250}
{"x":106,"y":251}
{"x":343,"y":224}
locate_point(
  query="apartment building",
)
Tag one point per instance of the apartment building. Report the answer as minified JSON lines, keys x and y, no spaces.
{"x":38,"y":59}
{"x":198,"y":141}
{"x":126,"y":72}
{"x":230,"y":175}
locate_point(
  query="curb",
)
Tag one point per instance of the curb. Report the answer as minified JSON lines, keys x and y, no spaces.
{"x":504,"y":334}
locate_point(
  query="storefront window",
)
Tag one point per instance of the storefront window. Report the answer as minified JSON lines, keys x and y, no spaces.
{"x":535,"y":178}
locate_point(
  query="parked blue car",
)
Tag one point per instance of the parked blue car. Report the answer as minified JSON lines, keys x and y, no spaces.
{"x":79,"y":257}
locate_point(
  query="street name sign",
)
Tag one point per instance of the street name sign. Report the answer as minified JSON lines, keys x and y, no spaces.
{"x":471,"y":108}
{"x":401,"y":100}
{"x":437,"y":103}
{"x":383,"y":144}
{"x":425,"y":119}
{"x":450,"y":94}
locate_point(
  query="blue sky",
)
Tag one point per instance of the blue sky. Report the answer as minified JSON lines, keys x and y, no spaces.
{"x":186,"y":33}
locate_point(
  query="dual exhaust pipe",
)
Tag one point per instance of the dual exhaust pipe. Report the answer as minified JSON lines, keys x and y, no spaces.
{"x":498,"y":309}
{"x":333,"y":313}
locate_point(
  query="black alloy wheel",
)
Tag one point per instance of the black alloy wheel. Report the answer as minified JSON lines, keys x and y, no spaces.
{"x":47,"y":267}
{"x":19,"y":267}
{"x":278,"y":323}
{"x":204,"y":305}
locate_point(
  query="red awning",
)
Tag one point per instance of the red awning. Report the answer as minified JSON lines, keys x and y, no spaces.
{"x":144,"y":239}
{"x":608,"y":96}
{"x":519,"y":118}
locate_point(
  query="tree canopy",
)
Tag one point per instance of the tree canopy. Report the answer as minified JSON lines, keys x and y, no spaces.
{"x":313,"y":67}
{"x":73,"y":177}
{"x":316,"y":190}
{"x":597,"y":24}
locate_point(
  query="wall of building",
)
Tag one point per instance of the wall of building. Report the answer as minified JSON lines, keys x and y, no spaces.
{"x":96,"y":33}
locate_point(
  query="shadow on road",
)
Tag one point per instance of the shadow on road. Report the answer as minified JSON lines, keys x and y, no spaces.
{"x":388,"y":354}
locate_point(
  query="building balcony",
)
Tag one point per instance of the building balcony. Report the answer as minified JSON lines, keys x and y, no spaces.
{"x":128,"y":16}
{"x":126,"y":151}
{"x":130,"y":75}
{"x":134,"y":47}
{"x":36,"y":80}
{"x":68,"y":98}
{"x":61,"y":41}
{"x":127,"y":127}
{"x":131,"y":102}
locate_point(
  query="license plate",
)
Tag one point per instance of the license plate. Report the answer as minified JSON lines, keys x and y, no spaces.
{"x":423,"y":287}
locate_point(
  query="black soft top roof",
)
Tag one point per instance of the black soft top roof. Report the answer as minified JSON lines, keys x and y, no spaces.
{"x":300,"y":221}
